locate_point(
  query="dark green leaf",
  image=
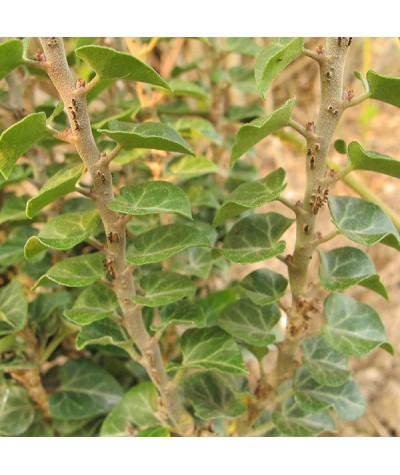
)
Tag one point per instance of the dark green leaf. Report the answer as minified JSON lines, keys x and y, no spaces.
{"x":136,"y":408}
{"x":10,"y":56}
{"x":13,"y":208}
{"x":16,"y":411}
{"x":189,"y":167}
{"x":353,"y":328}
{"x":182,"y":313}
{"x":214,"y":303}
{"x":384,"y":88}
{"x":86,"y":390}
{"x":152,"y":135}
{"x":77,"y":271}
{"x":62,"y":232}
{"x":102,"y":332}
{"x":255,"y":238}
{"x":162,"y":288}
{"x":13,"y":308}
{"x":367,"y":160}
{"x":18,"y":138}
{"x":165,"y":241}
{"x":344,"y":267}
{"x":263,"y":286}
{"x":251,"y":195}
{"x":274,"y":58}
{"x":58,"y":185}
{"x":325,"y":365}
{"x":152,"y":197}
{"x":251,"y":133}
{"x":362,"y":221}
{"x":211,"y":349}
{"x":111,"y":64}
{"x":213,"y":395}
{"x":347,"y":400}
{"x":341,"y":146}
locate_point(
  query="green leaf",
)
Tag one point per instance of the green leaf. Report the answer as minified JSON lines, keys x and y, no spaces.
{"x":94,"y":303}
{"x":242,"y":78}
{"x":62,"y":232}
{"x":102,"y":332}
{"x":214,"y":303}
{"x":156,"y":431}
{"x":77,"y":271}
{"x":325,"y":365}
{"x":185,"y":88}
{"x":213,"y":395}
{"x":111,"y":64}
{"x":347,"y":400}
{"x":13,"y":308}
{"x":182,"y":313}
{"x":274,"y":59}
{"x":248,"y":322}
{"x":196,"y":261}
{"x":251,"y":133}
{"x":86,"y":390}
{"x":18,"y":174}
{"x":136,"y":408}
{"x":151,"y":135}
{"x":376,"y":162}
{"x":243,"y":45}
{"x":16,"y":411}
{"x":13,"y":208}
{"x":384,"y":88}
{"x":251,"y":195}
{"x":340,"y":146}
{"x":263,"y":286}
{"x":165,"y":241}
{"x":363,"y":222}
{"x":163,"y":287}
{"x":255,"y":238}
{"x":10,"y":255}
{"x":18,"y":138}
{"x":293,"y":421}
{"x":10,"y":56}
{"x":196,"y":127}
{"x":353,"y":328}
{"x":200,"y":196}
{"x":211,"y":349}
{"x":189,"y":167}
{"x":58,"y":185}
{"x":344,"y":267}
{"x":152,"y":197}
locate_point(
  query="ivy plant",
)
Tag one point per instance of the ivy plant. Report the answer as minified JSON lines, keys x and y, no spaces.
{"x":119,"y":216}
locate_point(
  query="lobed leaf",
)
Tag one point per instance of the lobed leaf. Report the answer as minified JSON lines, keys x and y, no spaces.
{"x":10,"y":56}
{"x":367,"y":160}
{"x":255,"y":238}
{"x":384,"y":88}
{"x":13,"y":308}
{"x":182,"y":313}
{"x":263,"y":286}
{"x":344,"y":267}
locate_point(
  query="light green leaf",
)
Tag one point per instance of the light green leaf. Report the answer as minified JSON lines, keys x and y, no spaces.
{"x":196,"y":261}
{"x":293,"y":421}
{"x":13,"y":208}
{"x":152,"y":135}
{"x":213,"y":395}
{"x":384,"y":88}
{"x":325,"y":365}
{"x":13,"y":308}
{"x":353,"y":328}
{"x":196,"y":127}
{"x":16,"y":411}
{"x":251,"y":133}
{"x":376,"y":162}
{"x":163,"y":287}
{"x":182,"y":313}
{"x":362,"y":221}
{"x":211,"y":349}
{"x":243,"y":45}
{"x":263,"y":286}
{"x":10,"y":56}
{"x":242,"y":78}
{"x":200,"y":196}
{"x":189,"y":167}
{"x":102,"y":332}
{"x":18,"y":138}
{"x":62,"y":232}
{"x":248,"y":322}
{"x":255,"y":238}
{"x":251,"y":195}
{"x":136,"y":408}
{"x":111,"y":64}
{"x":165,"y":241}
{"x":156,"y":431}
{"x":94,"y":303}
{"x":185,"y":88}
{"x":274,"y":59}
{"x":152,"y":197}
{"x":58,"y":185}
{"x":19,"y":173}
{"x":10,"y":254}
{"x":86,"y":390}
{"x":344,"y":267}
{"x":77,"y":271}
{"x":347,"y":400}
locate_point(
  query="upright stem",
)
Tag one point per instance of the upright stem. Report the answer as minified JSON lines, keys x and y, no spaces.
{"x":315,"y":196}
{"x":75,"y":102}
